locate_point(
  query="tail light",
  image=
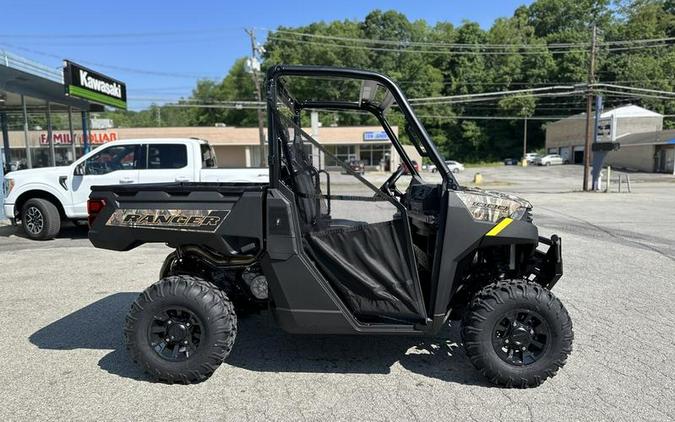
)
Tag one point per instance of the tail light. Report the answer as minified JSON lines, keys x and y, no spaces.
{"x":94,"y":206}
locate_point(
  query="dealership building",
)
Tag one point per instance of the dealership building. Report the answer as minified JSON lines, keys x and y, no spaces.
{"x":45,"y":115}
{"x":45,"y":111}
{"x":643,"y":144}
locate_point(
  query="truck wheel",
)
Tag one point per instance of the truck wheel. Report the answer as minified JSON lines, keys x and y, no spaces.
{"x":40,"y":219}
{"x":516,"y":333}
{"x":180,"y":329}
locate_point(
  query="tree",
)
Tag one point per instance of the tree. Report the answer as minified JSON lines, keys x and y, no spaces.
{"x":414,"y":55}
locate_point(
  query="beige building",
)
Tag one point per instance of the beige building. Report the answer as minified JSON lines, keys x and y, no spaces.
{"x":644,"y":145}
{"x":234,"y":146}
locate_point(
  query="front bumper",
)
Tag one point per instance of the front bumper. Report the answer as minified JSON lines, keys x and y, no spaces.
{"x":9,"y":211}
{"x":551,"y":262}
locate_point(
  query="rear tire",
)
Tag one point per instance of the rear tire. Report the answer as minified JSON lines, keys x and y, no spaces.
{"x":40,"y":219}
{"x":517,"y":333}
{"x":180,"y":329}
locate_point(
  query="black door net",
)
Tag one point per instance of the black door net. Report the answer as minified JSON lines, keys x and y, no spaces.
{"x":369,"y":264}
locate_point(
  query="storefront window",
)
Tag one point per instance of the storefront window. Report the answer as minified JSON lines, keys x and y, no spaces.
{"x":341,"y":152}
{"x":372,"y":155}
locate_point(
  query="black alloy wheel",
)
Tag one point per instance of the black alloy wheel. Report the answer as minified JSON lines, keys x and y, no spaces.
{"x":180,"y":329}
{"x":517,"y":333}
{"x":521,"y":337}
{"x":175,"y":334}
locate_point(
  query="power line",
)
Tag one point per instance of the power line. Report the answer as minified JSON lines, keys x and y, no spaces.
{"x":409,"y":43}
{"x":421,"y":44}
{"x":437,"y":52}
{"x":122,"y":34}
{"x":500,"y":93}
{"x":630,"y":88}
{"x":450,"y":52}
{"x":125,"y":43}
{"x":469,"y":117}
{"x":113,"y":67}
{"x":638,"y":95}
{"x":467,"y":82}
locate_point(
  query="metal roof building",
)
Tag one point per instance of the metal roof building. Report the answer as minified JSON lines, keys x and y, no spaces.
{"x":644,"y":146}
{"x":37,"y":97}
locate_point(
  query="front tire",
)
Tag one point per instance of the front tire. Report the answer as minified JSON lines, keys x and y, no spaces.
{"x":180,"y":329}
{"x":517,"y":333}
{"x":40,"y":219}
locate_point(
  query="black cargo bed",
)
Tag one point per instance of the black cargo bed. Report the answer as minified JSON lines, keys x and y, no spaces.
{"x":225,"y":217}
{"x":183,"y":187}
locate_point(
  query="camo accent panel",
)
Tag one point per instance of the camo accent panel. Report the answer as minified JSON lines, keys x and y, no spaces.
{"x":169,"y":219}
{"x":491,"y":206}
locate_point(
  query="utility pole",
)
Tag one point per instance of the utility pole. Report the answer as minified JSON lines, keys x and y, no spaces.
{"x":254,"y":65}
{"x":589,"y":107}
{"x":598,"y":156}
{"x":159,"y":116}
{"x":525,"y":138}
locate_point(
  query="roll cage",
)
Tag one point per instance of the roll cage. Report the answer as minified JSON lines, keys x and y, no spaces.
{"x":278,"y":93}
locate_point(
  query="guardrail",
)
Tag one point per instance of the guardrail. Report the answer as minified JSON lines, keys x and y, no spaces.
{"x":29,"y":66}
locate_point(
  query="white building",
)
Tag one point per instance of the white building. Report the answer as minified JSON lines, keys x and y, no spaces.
{"x":644,"y":145}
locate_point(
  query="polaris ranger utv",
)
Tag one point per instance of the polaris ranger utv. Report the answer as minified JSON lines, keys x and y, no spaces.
{"x":325,"y":259}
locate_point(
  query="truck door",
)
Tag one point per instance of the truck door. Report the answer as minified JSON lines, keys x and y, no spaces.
{"x":167,"y":163}
{"x":110,"y":165}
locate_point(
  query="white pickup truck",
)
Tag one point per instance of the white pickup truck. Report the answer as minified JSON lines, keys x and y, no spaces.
{"x":41,"y":198}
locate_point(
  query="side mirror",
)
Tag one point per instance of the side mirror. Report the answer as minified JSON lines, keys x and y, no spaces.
{"x":79,"y":170}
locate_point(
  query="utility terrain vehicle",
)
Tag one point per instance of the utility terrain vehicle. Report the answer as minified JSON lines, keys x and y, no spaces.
{"x":340,"y":258}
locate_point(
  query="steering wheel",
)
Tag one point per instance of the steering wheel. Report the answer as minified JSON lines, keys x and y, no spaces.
{"x":389,"y":185}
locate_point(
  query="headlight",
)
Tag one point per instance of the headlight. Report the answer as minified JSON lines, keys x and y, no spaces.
{"x":519,"y":213}
{"x":491,"y":206}
{"x":9,"y":185}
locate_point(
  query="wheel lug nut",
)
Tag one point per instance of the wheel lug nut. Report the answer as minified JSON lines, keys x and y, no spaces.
{"x":166,"y":339}
{"x":506,"y":341}
{"x":169,"y":322}
{"x":185,"y":342}
{"x":524,"y":348}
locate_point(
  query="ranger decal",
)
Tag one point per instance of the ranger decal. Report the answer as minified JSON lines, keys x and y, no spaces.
{"x":183,"y":220}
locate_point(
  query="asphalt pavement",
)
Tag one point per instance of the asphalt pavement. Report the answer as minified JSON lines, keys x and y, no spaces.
{"x":62,"y":305}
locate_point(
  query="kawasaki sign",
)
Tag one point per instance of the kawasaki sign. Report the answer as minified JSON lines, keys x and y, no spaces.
{"x":93,"y":86}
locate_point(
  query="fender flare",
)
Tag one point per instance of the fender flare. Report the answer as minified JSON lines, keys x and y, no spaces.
{"x":39,"y":190}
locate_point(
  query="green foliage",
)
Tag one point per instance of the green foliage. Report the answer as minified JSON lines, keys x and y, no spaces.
{"x":434,"y":72}
{"x":154,"y":116}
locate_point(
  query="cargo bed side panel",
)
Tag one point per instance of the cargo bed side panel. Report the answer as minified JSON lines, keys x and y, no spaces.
{"x":225,"y":218}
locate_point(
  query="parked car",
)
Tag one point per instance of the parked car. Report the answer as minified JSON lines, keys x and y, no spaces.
{"x":531,"y":157}
{"x":40,"y":198}
{"x":415,"y":164}
{"x":548,"y":160}
{"x":510,"y":162}
{"x":356,"y":166}
{"x":454,"y":166}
